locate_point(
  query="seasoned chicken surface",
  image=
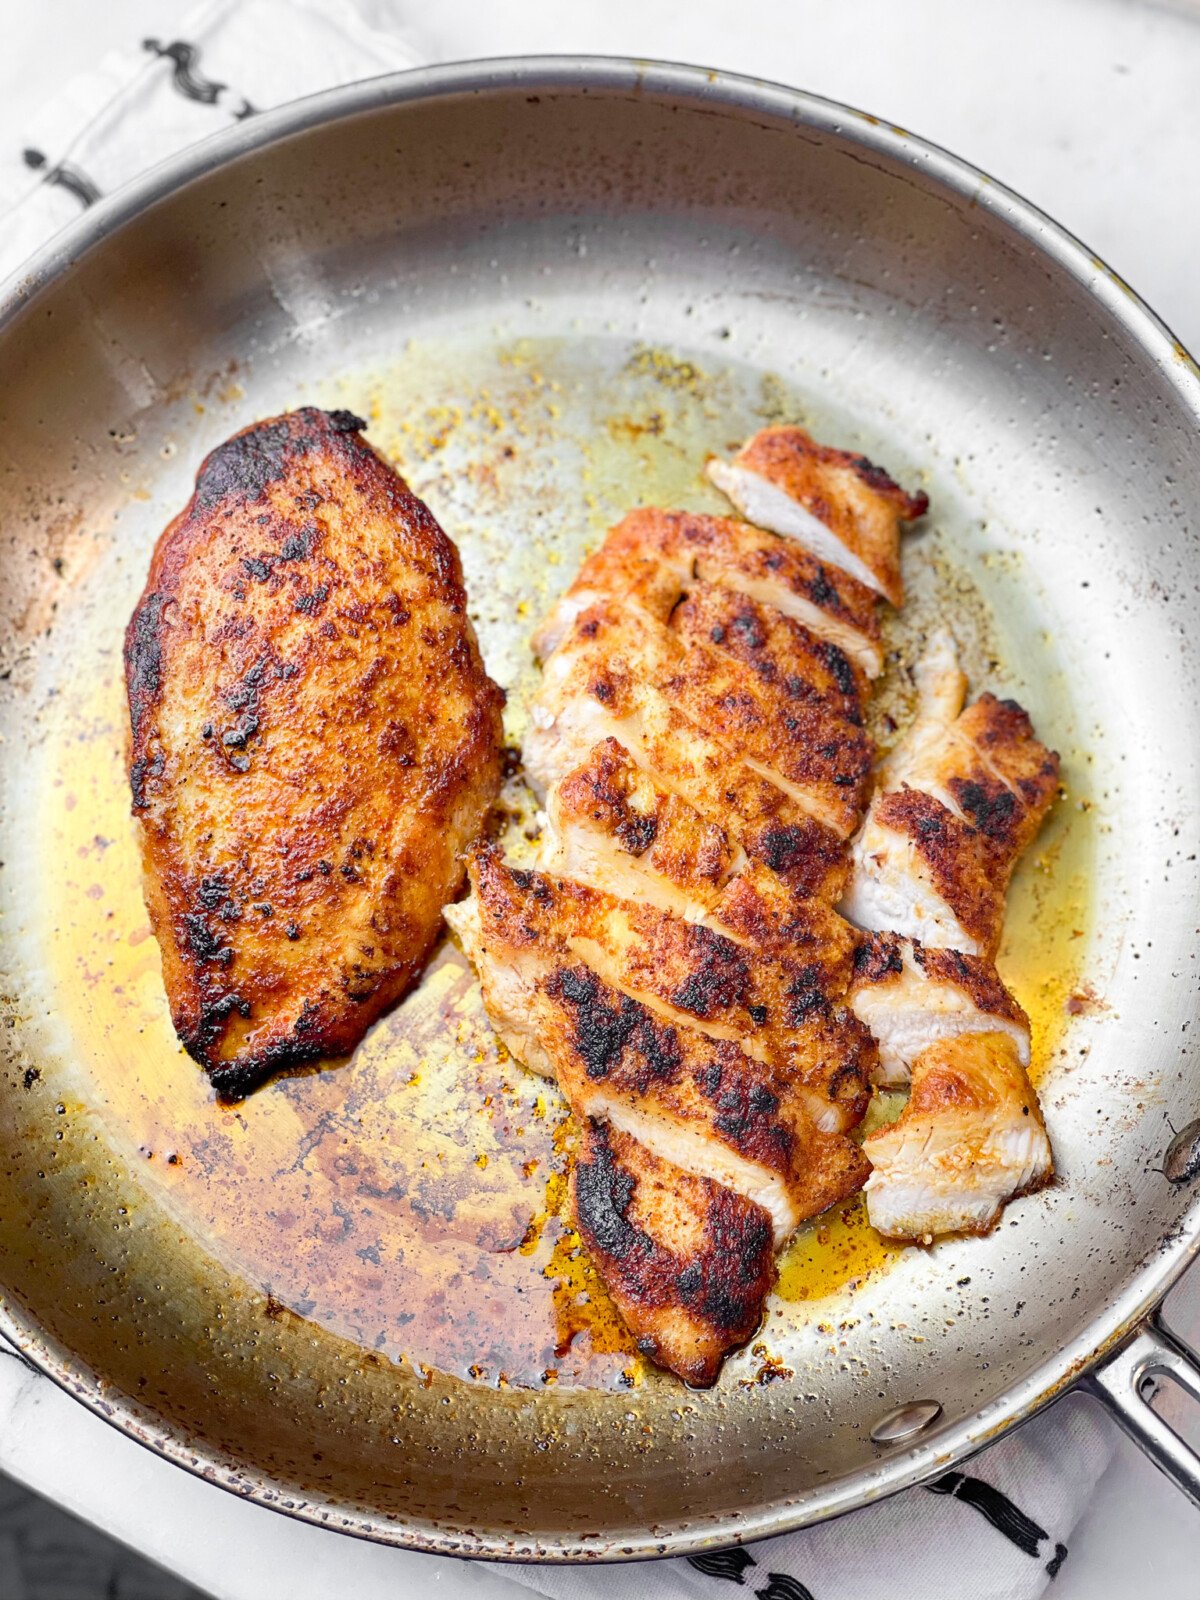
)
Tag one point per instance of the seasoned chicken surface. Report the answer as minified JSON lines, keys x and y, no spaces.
{"x":778,"y":1009}
{"x":970,"y":1138}
{"x":689,"y":1096}
{"x":676,"y":964}
{"x":621,"y":657}
{"x":615,"y":826}
{"x":964,"y":794}
{"x":842,"y":507}
{"x":961,"y":796}
{"x":687,"y":1261}
{"x":909,"y":997}
{"x":314,"y":742}
{"x":682,"y":547}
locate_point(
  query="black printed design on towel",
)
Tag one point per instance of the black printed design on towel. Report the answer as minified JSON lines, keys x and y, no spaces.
{"x":782,"y":1587}
{"x":63,"y":176}
{"x":729,"y":1564}
{"x":187,"y":80}
{"x":734,"y":1564}
{"x":1003,"y":1515}
{"x":11,"y":1350}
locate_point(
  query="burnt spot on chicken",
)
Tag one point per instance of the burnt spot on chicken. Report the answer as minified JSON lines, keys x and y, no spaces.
{"x":143,"y":660}
{"x":877,"y":958}
{"x":691,"y":1290}
{"x":609,"y":1025}
{"x":245,"y":467}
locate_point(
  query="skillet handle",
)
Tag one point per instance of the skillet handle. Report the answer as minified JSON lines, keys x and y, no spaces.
{"x":1119,"y":1383}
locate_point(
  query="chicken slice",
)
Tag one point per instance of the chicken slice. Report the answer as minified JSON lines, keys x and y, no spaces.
{"x":983,"y":763}
{"x":841,"y":507}
{"x":688,"y":1262}
{"x":780,"y":1012}
{"x":970,"y":1139}
{"x":700,"y":1103}
{"x":780,"y":650}
{"x":918,"y":869}
{"x":611,"y":825}
{"x":909,"y":997}
{"x":718,"y":550}
{"x":616,"y":653}
{"x":964,"y":793}
{"x":765,"y":819}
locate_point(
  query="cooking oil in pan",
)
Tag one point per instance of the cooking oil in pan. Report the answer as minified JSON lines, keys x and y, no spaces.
{"x":413,"y":1199}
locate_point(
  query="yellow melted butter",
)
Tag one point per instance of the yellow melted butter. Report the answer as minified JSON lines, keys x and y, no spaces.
{"x":413,"y":1199}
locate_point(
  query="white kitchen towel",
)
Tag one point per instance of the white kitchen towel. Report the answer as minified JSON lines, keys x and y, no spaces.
{"x":998,"y":1529}
{"x":152,"y":96}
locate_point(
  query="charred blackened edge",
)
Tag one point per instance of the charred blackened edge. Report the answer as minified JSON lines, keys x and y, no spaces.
{"x":244,"y":467}
{"x":724,"y":1287}
{"x":144,"y":663}
{"x":233,"y":1081}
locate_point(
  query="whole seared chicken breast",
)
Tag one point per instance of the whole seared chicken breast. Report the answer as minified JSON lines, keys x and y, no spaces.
{"x":314,"y":743}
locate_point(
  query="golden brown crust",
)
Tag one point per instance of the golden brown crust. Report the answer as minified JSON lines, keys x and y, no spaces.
{"x":688,"y":1262}
{"x":878,"y":961}
{"x":724,"y":551}
{"x":314,"y":740}
{"x":784,"y":1010}
{"x":604,"y":1042}
{"x":628,"y":812}
{"x":1000,"y":730}
{"x":820,"y":753}
{"x":820,"y":759}
{"x":974,"y":1072}
{"x":854,"y":498}
{"x":961,"y":866}
{"x":781,"y":651}
{"x":970,"y":1139}
{"x":1002,"y":781}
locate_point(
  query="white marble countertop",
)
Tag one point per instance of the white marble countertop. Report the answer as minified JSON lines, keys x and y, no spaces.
{"x":1091,"y":108}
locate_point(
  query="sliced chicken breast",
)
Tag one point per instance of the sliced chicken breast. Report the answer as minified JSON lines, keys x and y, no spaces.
{"x":618,"y":655}
{"x":841,"y":507}
{"x":613,"y":826}
{"x":688,"y":547}
{"x":586,"y":698}
{"x":783,"y":1013}
{"x":965,"y":792}
{"x":780,"y":650}
{"x":688,"y":1262}
{"x":909,"y":997}
{"x":970,"y":1139}
{"x":692,"y":1098}
{"x":700,"y":1103}
{"x":918,"y":870}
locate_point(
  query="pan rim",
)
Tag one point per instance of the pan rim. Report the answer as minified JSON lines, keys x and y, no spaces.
{"x":1150,"y":1280}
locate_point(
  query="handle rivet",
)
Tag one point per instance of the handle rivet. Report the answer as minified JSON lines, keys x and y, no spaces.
{"x":905,"y":1421}
{"x":1182,"y":1161}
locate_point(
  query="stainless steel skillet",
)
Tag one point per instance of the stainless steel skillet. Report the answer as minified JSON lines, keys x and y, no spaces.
{"x":551,"y":286}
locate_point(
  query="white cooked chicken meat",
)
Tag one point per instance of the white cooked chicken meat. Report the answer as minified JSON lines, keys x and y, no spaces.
{"x":970,"y":1139}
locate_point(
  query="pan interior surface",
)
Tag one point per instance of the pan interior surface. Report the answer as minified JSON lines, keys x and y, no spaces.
{"x":551,"y":292}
